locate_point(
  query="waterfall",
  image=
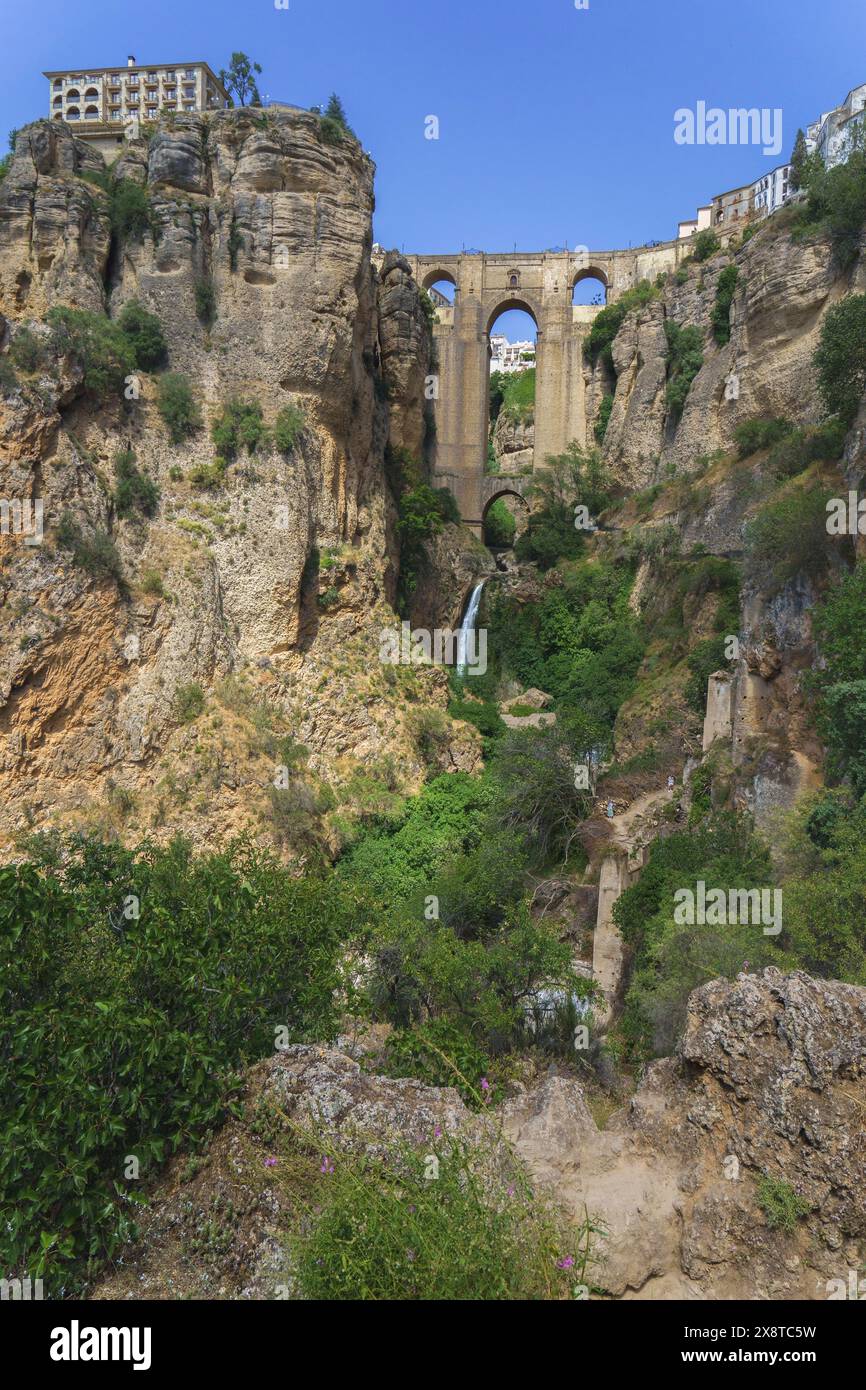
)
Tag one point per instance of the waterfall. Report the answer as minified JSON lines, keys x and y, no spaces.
{"x":467,"y":626}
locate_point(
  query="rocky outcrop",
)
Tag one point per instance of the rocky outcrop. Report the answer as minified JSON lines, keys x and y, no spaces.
{"x":279,"y":572}
{"x":514,"y":442}
{"x":768,"y":1083}
{"x":784,"y":287}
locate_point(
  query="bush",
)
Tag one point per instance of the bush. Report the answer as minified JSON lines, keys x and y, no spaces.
{"x":422,"y":512}
{"x":144,"y":331}
{"x":96,"y":553}
{"x":8,"y":379}
{"x":209,"y":476}
{"x":499,"y":525}
{"x":390,"y":1233}
{"x":135,"y":493}
{"x":840,"y":359}
{"x":189,"y":702}
{"x":205,"y":301}
{"x":101,"y":348}
{"x":288,"y":427}
{"x":837,"y":202}
{"x":25,"y":350}
{"x":780,"y":1204}
{"x":705,"y":244}
{"x":168,"y":1003}
{"x":795,"y":453}
{"x":685,"y":357}
{"x":240,"y":425}
{"x":720,"y":318}
{"x":605,"y":326}
{"x":841,"y":682}
{"x":131,"y":214}
{"x":177,"y":406}
{"x":760,"y":433}
{"x":533,"y":773}
{"x":599,"y":429}
{"x":788,"y":537}
{"x":565,"y":481}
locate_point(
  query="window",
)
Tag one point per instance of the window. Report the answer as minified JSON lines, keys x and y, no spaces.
{"x":72,"y":94}
{"x":91,"y":113}
{"x":73,"y":113}
{"x":171,"y":93}
{"x":189,"y":74}
{"x":91,"y":94}
{"x":58,"y":82}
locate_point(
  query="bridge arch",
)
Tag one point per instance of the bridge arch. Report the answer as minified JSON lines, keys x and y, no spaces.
{"x":513,"y":301}
{"x":590,"y":272}
{"x":436,"y":275}
{"x":498,"y":488}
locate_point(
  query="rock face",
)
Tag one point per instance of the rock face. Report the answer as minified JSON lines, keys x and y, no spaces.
{"x":769,"y":1081}
{"x":282,"y":572}
{"x":783,"y":290}
{"x":514,"y":442}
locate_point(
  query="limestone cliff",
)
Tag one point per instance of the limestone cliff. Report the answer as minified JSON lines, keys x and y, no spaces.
{"x":248,"y":608}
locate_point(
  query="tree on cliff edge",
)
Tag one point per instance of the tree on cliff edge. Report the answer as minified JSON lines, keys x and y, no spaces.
{"x":240,"y":79}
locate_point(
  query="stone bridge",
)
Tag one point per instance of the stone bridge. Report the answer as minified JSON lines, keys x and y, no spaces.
{"x":541,"y":283}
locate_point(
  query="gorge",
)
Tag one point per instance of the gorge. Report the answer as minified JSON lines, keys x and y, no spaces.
{"x":313,"y":902}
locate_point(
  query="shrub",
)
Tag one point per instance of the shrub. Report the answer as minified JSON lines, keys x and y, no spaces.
{"x":333,"y":125}
{"x":837,"y":201}
{"x":606,"y":325}
{"x":788,"y":537}
{"x":8,"y":379}
{"x":25,"y":350}
{"x":101,"y":348}
{"x":144,"y":331}
{"x":841,"y":682}
{"x":131,"y":214}
{"x":96,"y":553}
{"x":760,"y":433}
{"x":422,"y":513}
{"x":533,"y":772}
{"x":150,"y":582}
{"x":135,"y":492}
{"x":288,"y":427}
{"x":205,"y":301}
{"x":209,"y":476}
{"x":599,"y":429}
{"x":189,"y":702}
{"x":780,"y":1204}
{"x":685,"y":358}
{"x":167,"y":1006}
{"x":705,"y":245}
{"x":499,"y":524}
{"x":388,"y":1233}
{"x":840,"y":359}
{"x":177,"y":406}
{"x":794,"y":453}
{"x":721,"y":315}
{"x":240,"y":425}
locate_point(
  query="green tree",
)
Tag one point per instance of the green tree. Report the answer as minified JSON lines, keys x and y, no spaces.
{"x":176,"y":404}
{"x":144,"y":331}
{"x":840,"y":358}
{"x":239,"y":80}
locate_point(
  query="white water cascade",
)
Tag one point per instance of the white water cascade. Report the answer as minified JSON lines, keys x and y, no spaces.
{"x":467,"y":626}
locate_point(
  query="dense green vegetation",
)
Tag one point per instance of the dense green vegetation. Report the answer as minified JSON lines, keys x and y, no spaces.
{"x":99,"y":345}
{"x":389,"y":1232}
{"x":836,"y":198}
{"x":685,"y":357}
{"x":840,"y":359}
{"x":605,"y":326}
{"x":788,"y":537}
{"x":180,"y":969}
{"x":144,"y":331}
{"x":135,"y":494}
{"x":841,"y":682}
{"x":499,"y":524}
{"x":566,"y":482}
{"x":422,"y":513}
{"x":599,"y":429}
{"x":720,"y":317}
{"x":177,"y":406}
{"x":240,"y":425}
{"x":671,"y":959}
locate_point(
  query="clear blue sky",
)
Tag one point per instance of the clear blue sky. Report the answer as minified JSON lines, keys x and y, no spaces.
{"x":556,"y":125}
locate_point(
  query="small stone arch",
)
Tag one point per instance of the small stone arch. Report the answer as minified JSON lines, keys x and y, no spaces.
{"x":590,"y":272}
{"x":494,"y":490}
{"x":439,"y":273}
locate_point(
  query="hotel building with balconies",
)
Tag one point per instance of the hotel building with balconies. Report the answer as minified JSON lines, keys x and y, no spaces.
{"x":102,"y":102}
